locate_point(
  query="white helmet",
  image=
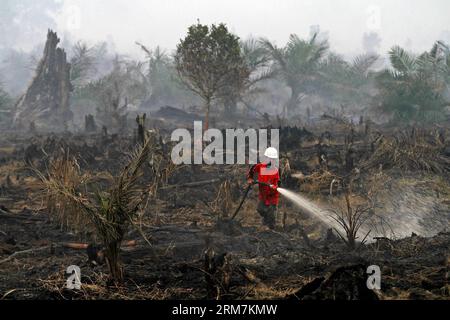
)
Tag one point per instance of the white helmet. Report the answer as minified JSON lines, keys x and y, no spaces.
{"x":271,"y":153}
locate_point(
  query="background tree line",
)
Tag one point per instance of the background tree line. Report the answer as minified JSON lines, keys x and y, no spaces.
{"x":218,"y":72}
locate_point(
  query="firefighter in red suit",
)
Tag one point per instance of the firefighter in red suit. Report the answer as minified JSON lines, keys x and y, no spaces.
{"x":268,"y":177}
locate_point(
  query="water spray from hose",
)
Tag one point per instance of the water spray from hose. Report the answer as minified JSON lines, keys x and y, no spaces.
{"x":308,"y":207}
{"x":303,"y":203}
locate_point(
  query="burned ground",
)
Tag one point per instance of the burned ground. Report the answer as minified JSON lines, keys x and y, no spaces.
{"x":195,"y":252}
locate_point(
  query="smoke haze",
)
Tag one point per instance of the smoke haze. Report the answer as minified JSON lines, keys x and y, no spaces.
{"x":414,"y":24}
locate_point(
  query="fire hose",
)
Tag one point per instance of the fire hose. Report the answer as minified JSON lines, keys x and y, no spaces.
{"x":244,"y":197}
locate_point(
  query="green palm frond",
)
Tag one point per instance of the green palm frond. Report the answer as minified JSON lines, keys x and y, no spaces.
{"x":402,"y":61}
{"x":362,"y":64}
{"x":445,"y":49}
{"x":257,"y":59}
{"x":127,"y":192}
{"x":297,"y":64}
{"x":414,"y":89}
{"x":434,"y":52}
{"x":277,"y":54}
{"x":254,"y":53}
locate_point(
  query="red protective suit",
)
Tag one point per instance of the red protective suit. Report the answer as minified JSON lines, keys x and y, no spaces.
{"x":271,"y":176}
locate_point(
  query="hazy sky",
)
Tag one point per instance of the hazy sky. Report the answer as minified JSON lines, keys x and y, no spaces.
{"x":412,"y":23}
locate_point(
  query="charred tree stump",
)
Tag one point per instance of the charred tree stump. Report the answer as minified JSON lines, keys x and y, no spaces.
{"x":308,"y":115}
{"x":89,"y":124}
{"x":141,"y":136}
{"x":346,"y":283}
{"x":350,"y":159}
{"x":46,"y":101}
{"x":218,"y":272}
{"x":367,"y":128}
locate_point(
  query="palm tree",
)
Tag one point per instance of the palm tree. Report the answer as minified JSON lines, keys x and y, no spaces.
{"x":256,"y":62}
{"x":159,"y":74}
{"x":297,"y":64}
{"x":441,"y":51}
{"x":414,"y":88}
{"x":162,"y":75}
{"x":161,"y":79}
{"x":110,"y":212}
{"x":346,"y":83}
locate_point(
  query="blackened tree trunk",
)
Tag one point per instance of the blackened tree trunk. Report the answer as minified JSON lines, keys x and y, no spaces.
{"x":141,"y":129}
{"x":89,"y":124}
{"x":46,"y":101}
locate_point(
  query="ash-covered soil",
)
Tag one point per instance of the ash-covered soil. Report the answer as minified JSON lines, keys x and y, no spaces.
{"x":298,"y":260}
{"x":266,"y":264}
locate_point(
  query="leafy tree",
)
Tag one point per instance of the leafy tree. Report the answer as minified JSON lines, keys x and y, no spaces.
{"x":414,"y":88}
{"x":297,"y":64}
{"x":208,"y":60}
